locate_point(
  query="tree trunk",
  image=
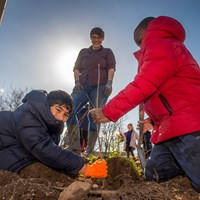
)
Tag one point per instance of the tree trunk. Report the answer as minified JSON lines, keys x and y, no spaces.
{"x":139,"y":148}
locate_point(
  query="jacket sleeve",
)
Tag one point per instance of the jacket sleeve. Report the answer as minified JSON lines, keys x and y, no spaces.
{"x":37,"y":141}
{"x":111,"y":62}
{"x":79,"y":60}
{"x":157,"y":67}
{"x":136,"y":136}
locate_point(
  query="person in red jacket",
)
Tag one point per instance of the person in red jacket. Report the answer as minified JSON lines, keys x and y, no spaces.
{"x":168,"y":83}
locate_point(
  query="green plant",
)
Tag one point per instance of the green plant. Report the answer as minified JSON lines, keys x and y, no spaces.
{"x":92,"y":158}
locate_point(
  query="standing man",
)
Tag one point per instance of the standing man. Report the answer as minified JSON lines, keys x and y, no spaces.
{"x":93,"y":73}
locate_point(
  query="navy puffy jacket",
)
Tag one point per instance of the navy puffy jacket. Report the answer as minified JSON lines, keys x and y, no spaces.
{"x":31,"y":134}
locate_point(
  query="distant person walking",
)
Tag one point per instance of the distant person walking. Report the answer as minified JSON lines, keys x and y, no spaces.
{"x":130,"y":138}
{"x":93,"y":73}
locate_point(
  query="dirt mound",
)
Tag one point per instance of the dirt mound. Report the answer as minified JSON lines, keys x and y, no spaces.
{"x":26,"y":190}
{"x":124,"y":182}
{"x":34,"y":182}
{"x":52,"y":177}
{"x":120,"y":170}
{"x":7,"y":177}
{"x":38,"y":182}
{"x":180,"y":188}
{"x":14,"y":187}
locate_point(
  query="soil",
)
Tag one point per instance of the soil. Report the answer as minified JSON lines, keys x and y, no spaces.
{"x":124,"y":182}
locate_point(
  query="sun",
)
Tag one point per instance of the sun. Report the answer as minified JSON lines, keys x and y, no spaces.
{"x":2,"y":90}
{"x":64,"y":63}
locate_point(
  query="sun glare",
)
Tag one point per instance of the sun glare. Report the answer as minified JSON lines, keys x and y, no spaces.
{"x":64,"y":63}
{"x":1,"y":91}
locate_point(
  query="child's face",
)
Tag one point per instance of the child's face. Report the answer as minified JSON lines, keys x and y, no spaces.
{"x":60,"y":112}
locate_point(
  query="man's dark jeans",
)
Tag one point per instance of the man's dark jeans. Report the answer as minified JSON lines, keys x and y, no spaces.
{"x":88,"y":95}
{"x":179,"y":156}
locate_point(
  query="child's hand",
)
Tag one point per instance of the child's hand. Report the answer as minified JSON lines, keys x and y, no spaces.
{"x":98,"y":116}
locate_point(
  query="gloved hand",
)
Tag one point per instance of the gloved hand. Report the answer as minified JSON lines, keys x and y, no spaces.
{"x":78,"y":87}
{"x":97,"y":170}
{"x":108,"y":88}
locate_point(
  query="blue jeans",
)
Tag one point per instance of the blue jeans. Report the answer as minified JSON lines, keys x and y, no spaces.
{"x":88,"y":95}
{"x":179,"y":156}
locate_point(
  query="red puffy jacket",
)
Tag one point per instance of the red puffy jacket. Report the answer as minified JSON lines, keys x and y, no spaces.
{"x":168,"y":82}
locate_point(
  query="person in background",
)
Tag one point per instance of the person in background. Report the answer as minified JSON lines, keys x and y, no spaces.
{"x":147,"y":145}
{"x":32,"y":132}
{"x":93,"y":73}
{"x":130,"y":138}
{"x":147,"y":126}
{"x":168,"y":82}
{"x":83,"y":120}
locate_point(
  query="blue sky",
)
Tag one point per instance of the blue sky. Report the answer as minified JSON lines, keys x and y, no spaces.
{"x":40,"y":39}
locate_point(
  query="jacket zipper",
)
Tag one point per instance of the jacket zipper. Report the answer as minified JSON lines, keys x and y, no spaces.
{"x":166,"y":104}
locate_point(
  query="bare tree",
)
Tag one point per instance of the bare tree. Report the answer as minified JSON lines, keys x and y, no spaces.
{"x":11,"y":99}
{"x":2,"y":102}
{"x":110,"y":139}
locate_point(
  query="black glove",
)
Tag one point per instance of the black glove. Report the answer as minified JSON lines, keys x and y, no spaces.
{"x":78,"y":87}
{"x":108,"y":88}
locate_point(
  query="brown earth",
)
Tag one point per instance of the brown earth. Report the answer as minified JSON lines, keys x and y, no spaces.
{"x":38,"y":182}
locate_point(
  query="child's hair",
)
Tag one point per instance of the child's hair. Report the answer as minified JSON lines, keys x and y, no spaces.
{"x":98,"y":31}
{"x":140,"y":29}
{"x":61,"y":98}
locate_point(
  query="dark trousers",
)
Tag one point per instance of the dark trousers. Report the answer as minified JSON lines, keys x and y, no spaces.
{"x":179,"y":156}
{"x":83,"y":138}
{"x":147,"y":148}
{"x":129,"y":150}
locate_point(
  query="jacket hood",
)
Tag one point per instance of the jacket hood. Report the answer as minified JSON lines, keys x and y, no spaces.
{"x":38,"y":99}
{"x":164,"y":27}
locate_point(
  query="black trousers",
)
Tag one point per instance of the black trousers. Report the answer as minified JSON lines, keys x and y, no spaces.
{"x":130,"y":150}
{"x":83,"y":138}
